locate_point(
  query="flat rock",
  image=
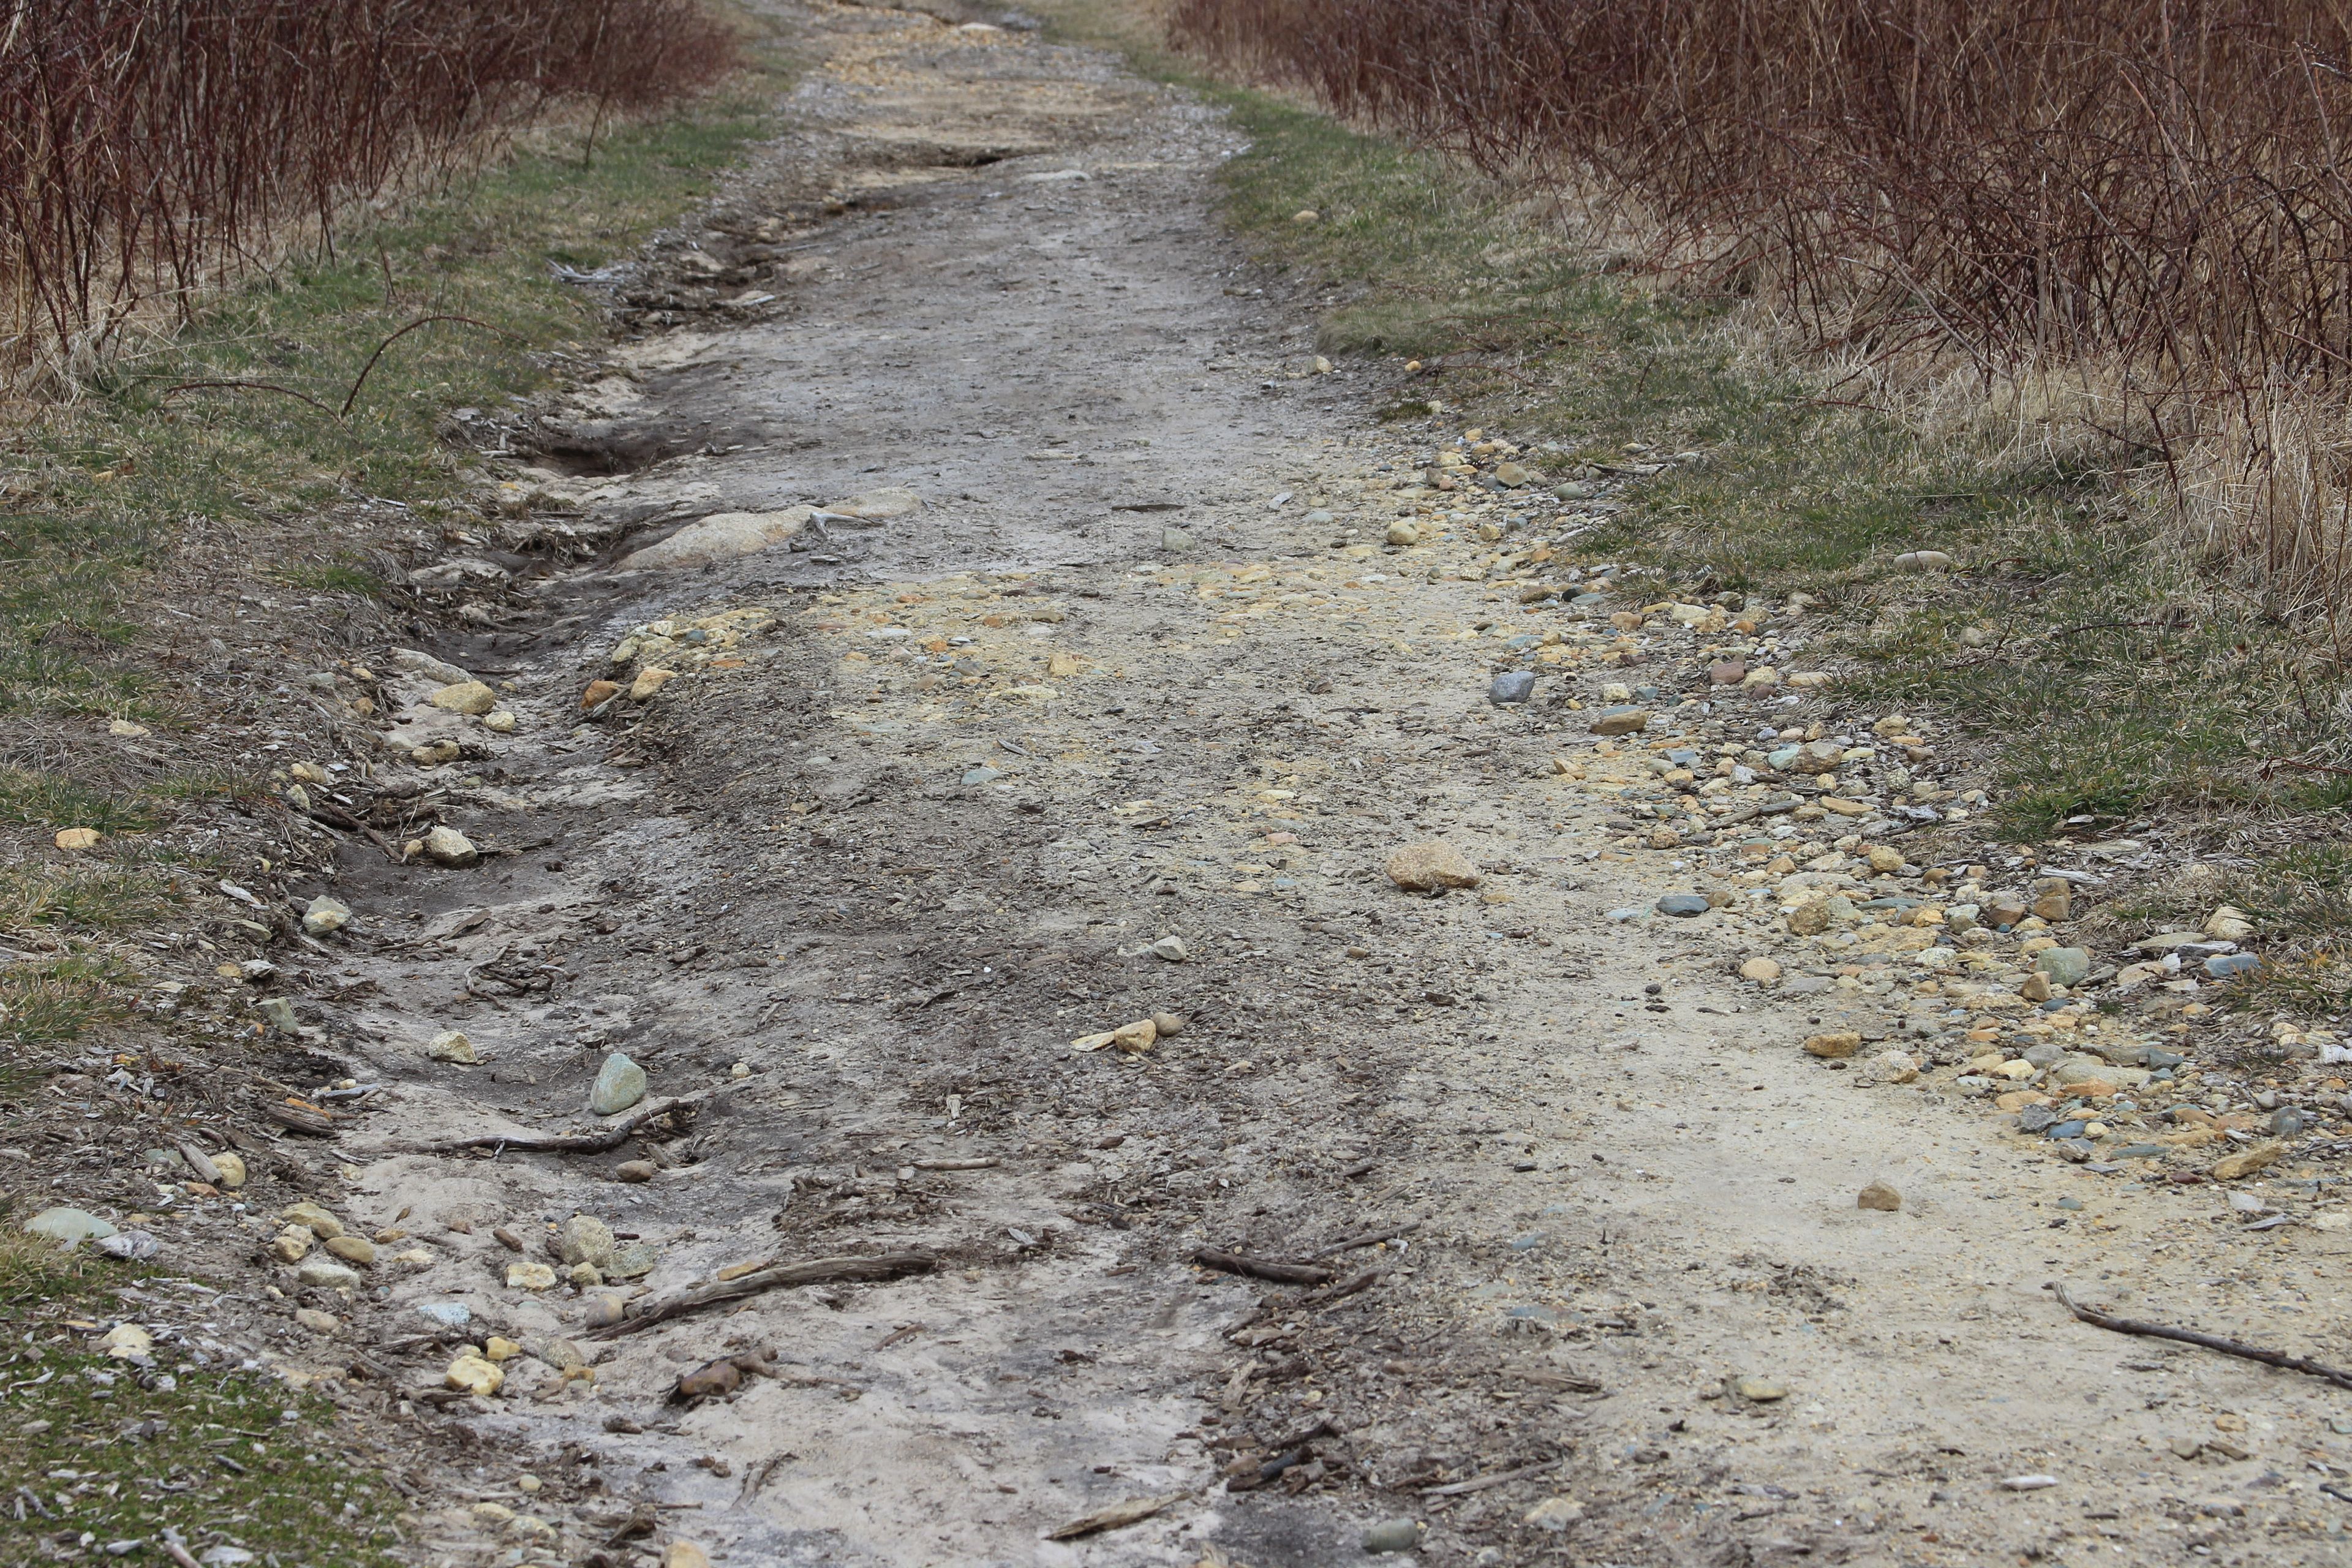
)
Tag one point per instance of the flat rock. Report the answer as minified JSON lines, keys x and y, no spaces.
{"x":2064,"y":965}
{"x":1425,"y":868}
{"x":70,"y":1226}
{"x":722,"y":536}
{"x":1684,"y":905}
{"x":878,"y":506}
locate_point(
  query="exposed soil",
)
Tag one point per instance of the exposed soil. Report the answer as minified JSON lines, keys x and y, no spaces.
{"x":909,"y":825}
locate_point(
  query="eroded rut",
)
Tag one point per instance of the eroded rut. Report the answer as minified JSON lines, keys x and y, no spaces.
{"x":927,"y":798}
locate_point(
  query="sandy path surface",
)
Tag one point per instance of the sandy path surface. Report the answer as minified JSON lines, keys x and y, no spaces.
{"x":930,"y":782}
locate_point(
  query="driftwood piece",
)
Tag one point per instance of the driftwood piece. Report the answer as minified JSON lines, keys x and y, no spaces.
{"x":817,"y":1271}
{"x":2098,"y":1319}
{"x":298,"y":1118}
{"x":1119,"y":1514}
{"x":612,"y":1137}
{"x":1262,"y":1267}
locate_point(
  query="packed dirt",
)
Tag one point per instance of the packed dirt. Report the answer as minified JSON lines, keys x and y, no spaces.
{"x":1095,"y":687}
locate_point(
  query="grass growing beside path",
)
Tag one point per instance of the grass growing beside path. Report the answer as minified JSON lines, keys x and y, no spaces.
{"x":101,"y":494}
{"x":2113,"y":688}
{"x":125,"y":1451}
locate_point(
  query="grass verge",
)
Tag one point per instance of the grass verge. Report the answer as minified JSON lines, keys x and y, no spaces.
{"x":112,"y":502}
{"x":2113,"y":688}
{"x":103,"y":1450}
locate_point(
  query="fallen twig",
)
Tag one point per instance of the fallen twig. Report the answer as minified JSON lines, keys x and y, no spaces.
{"x":817,"y":1271}
{"x":1347,"y":1287}
{"x":421,"y":321}
{"x":1369,"y":1238}
{"x":336,"y":816}
{"x":2099,"y":1319}
{"x":1481,"y":1483}
{"x":612,"y":1137}
{"x":1262,"y":1269}
{"x":757,"y":1476}
{"x":248,"y":386}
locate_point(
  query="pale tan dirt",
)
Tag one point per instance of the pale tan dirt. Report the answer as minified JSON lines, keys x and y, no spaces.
{"x":898,"y":887}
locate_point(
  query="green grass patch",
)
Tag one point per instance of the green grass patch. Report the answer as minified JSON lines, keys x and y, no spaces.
{"x":58,"y":1001}
{"x":34,"y":798}
{"x":82,"y":896}
{"x":94,"y":495}
{"x":121,"y":1451}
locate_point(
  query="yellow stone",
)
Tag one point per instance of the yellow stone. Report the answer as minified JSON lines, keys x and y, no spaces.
{"x":77,"y":838}
{"x":1763,"y":971}
{"x":499,"y":1348}
{"x":352,"y":1249}
{"x":317,"y":1220}
{"x":649,"y":682}
{"x":474,"y":1374}
{"x":1838,"y":1043}
{"x":2247,"y":1161}
{"x":470,"y":696}
{"x":529,"y":1277}
{"x":1424,"y":868}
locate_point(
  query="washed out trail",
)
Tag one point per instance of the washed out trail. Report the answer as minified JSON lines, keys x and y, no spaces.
{"x":1094,"y":690}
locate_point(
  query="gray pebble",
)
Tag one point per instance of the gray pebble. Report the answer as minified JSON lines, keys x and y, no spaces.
{"x":1392,"y":1535}
{"x":1511,"y":686}
{"x":1685,"y":905}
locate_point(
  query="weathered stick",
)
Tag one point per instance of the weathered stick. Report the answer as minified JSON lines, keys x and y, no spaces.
{"x":1369,"y":1238}
{"x":336,"y":816}
{"x":1262,"y":1269}
{"x":817,"y":1271}
{"x":1330,"y":1293}
{"x":1482,"y":1482}
{"x":612,"y":1137}
{"x":2099,"y":1319}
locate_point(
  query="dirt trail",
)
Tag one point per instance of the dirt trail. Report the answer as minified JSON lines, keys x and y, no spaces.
{"x":928,"y":787}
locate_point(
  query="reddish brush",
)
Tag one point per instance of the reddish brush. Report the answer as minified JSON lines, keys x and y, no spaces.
{"x":2166,"y":177}
{"x":147,"y":145}
{"x":2160,"y":187}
